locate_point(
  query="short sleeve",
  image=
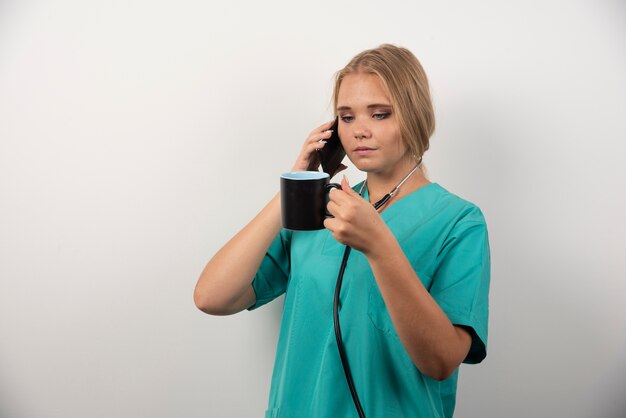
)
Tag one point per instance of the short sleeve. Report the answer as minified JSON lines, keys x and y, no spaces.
{"x":461,"y":282}
{"x":271,"y":279}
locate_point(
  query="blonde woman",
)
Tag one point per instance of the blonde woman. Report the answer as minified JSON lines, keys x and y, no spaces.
{"x":414,"y":301}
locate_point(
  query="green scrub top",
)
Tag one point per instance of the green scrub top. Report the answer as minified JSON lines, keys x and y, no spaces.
{"x":445,"y":239}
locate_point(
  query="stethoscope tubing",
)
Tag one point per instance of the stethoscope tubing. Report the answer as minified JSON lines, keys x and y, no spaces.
{"x":344,"y":262}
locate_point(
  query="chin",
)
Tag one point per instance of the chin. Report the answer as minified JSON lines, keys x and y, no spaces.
{"x":370,"y":168}
{"x":364,"y":165}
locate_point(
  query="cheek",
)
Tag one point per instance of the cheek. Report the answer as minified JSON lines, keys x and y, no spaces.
{"x":400,"y":147}
{"x":396,"y":142}
{"x":343,"y":133}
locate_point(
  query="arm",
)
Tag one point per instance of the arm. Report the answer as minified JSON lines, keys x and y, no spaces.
{"x":435,"y":345}
{"x":225,"y":285}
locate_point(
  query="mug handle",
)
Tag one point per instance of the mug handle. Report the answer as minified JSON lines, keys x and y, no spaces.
{"x":327,"y":189}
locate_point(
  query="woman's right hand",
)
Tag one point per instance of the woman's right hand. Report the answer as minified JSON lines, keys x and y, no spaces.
{"x":308,"y":159}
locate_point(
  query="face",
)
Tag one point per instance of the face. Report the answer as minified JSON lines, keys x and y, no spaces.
{"x":368,"y":126}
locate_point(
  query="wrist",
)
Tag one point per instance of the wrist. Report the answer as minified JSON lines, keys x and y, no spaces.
{"x":381,"y":243}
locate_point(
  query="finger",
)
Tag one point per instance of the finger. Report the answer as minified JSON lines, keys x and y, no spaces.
{"x":325,"y":126}
{"x":315,"y":146}
{"x":334,"y":195}
{"x":339,"y":197}
{"x":330,"y":224}
{"x":308,"y":150}
{"x":332,"y":208}
{"x":321,"y":132}
{"x":318,"y":137}
{"x":345,"y":186}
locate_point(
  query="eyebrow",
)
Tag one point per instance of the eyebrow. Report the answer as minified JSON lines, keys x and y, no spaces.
{"x":372,"y":106}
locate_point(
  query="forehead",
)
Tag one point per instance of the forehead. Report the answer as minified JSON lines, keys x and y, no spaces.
{"x":362,"y":88}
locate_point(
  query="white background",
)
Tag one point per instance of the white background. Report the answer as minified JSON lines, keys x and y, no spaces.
{"x":137,"y":136}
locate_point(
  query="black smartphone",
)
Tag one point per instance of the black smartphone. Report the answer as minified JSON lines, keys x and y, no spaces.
{"x":332,"y":154}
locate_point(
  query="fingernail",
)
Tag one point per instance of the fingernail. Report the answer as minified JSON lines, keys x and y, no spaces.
{"x":321,"y":141}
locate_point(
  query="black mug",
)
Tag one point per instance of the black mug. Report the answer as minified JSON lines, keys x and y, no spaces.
{"x":303,"y":199}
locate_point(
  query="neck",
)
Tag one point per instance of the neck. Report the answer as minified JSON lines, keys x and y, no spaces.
{"x":408,"y":179}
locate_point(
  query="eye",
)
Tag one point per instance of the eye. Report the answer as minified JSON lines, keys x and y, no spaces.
{"x":346,"y":118}
{"x":381,"y":115}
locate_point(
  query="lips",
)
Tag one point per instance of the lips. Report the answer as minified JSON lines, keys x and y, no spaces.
{"x":364,"y":150}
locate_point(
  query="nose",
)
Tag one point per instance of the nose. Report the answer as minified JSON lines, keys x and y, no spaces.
{"x":361,"y":130}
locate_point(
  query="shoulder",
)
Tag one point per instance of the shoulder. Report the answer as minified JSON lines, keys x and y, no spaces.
{"x":455,"y":206}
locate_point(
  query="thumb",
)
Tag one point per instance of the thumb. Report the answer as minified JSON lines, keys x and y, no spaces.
{"x":345,"y":186}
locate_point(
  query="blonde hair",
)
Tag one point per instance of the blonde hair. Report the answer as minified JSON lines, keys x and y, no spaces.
{"x":405,"y":79}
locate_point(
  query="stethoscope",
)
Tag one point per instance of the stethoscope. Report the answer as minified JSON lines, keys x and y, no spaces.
{"x":342,"y":352}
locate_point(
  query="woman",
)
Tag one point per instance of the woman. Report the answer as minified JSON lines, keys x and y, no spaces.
{"x":414,"y":301}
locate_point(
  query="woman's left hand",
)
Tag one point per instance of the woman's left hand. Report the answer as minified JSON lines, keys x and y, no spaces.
{"x":355,"y":222}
